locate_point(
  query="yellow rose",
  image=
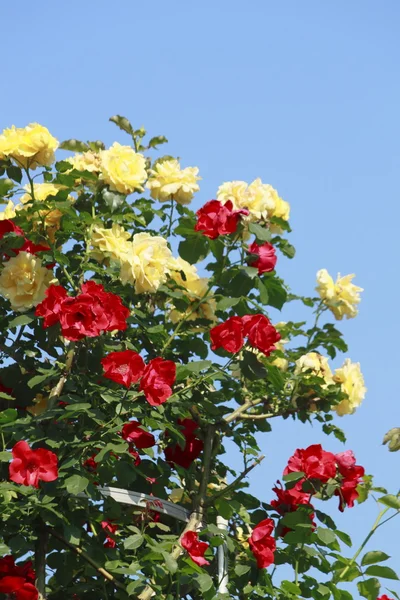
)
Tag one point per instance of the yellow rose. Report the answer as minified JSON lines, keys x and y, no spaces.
{"x":317,"y":364}
{"x":341,"y":297}
{"x":167,"y":180}
{"x":146,"y":262}
{"x":280,"y":362}
{"x":23,"y":281}
{"x":87,"y":161}
{"x":111,"y":243}
{"x":280,"y":210}
{"x":352,"y":383}
{"x":197,"y":289}
{"x":123,"y":169}
{"x":9,"y":212}
{"x":256,"y":197}
{"x":52,"y":217}
{"x":29,"y":146}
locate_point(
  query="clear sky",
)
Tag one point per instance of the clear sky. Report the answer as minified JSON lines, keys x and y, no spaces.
{"x":305,"y":95}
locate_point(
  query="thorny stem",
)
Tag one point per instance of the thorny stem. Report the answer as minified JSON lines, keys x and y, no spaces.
{"x":234,"y":483}
{"x":58,"y":388}
{"x":171,"y":214}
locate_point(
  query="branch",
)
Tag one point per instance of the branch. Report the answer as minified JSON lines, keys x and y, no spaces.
{"x":234,"y":483}
{"x":58,"y":388}
{"x":86,"y":557}
{"x":196,"y":517}
{"x":239,"y":411}
{"x":40,"y":559}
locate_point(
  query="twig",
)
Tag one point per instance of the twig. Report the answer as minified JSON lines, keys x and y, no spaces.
{"x":40,"y":558}
{"x":239,"y":411}
{"x":86,"y":557}
{"x":234,"y":483}
{"x":58,"y":388}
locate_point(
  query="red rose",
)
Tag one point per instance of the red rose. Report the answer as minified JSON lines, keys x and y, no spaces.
{"x":196,"y":549}
{"x":125,"y":367}
{"x":32,"y":248}
{"x":158,"y":377}
{"x":384,"y":597}
{"x":88,"y":314}
{"x":261,"y":334}
{"x":351,"y":477}
{"x":8,"y":567}
{"x":28,"y":467}
{"x":51,"y":306}
{"x":19,"y":588}
{"x":215,"y":218}
{"x":289,"y":501}
{"x":184,"y":456}
{"x":267,"y":258}
{"x":109,"y":527}
{"x":135,"y":455}
{"x":228,"y":335}
{"x":262,"y":544}
{"x":8,"y":226}
{"x":132,"y":433}
{"x":90,"y":464}
{"x":314,"y":462}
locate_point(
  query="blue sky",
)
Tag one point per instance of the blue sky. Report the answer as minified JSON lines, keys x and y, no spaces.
{"x":305,"y":95}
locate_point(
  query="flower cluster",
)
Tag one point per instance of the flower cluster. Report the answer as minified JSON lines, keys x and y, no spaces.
{"x":261,"y":200}
{"x":123,"y":169}
{"x":341,"y":297}
{"x":128,"y":367}
{"x":185,"y":455}
{"x":88,"y":314}
{"x":168,"y":181}
{"x":17,"y":581}
{"x":322,"y":466}
{"x":230,"y":335}
{"x":28,"y":466}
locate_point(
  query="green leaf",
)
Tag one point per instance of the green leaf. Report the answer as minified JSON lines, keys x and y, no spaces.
{"x":74,"y":146}
{"x":226,"y":303}
{"x":294,"y":476}
{"x":251,"y":367}
{"x":390,"y":500}
{"x":241,"y":570}
{"x":170,"y":562}
{"x":8,"y":416}
{"x":392,"y":437}
{"x":194,"y":248}
{"x":76,"y":484}
{"x":133,"y":541}
{"x":262,"y":234}
{"x":5,"y":186}
{"x":157,"y":140}
{"x":21,"y":320}
{"x":277,"y":295}
{"x":291,"y":588}
{"x":14,"y":173}
{"x":205,"y":582}
{"x":198,"y":365}
{"x":380,"y":571}
{"x":369,"y":588}
{"x":326,"y":536}
{"x":374,"y":556}
{"x":344,"y":537}
{"x":5,"y":456}
{"x":122,"y":123}
{"x":72,"y":534}
{"x":40,"y":379}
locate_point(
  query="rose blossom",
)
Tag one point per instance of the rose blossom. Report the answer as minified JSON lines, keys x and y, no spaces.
{"x":262,"y":544}
{"x":196,"y":549}
{"x":215,"y":219}
{"x":28,"y":467}
{"x":267,"y":258}
{"x":125,"y":367}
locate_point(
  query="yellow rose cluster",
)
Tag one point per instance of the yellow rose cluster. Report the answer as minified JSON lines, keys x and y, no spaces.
{"x":261,"y":199}
{"x":168,"y":181}
{"x":86,"y":161}
{"x":24,"y":280}
{"x":349,"y":377}
{"x":29,"y":147}
{"x":341,"y":297}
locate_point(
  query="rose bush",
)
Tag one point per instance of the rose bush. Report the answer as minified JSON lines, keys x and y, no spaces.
{"x":125,"y":367}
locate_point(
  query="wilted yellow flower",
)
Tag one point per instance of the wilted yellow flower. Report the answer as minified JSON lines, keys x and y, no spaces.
{"x":167,"y":180}
{"x":29,"y":146}
{"x":39,"y":406}
{"x":23,"y":281}
{"x":123,"y":169}
{"x":316,"y":363}
{"x":52,"y":217}
{"x":87,"y":161}
{"x":352,"y":383}
{"x":8,"y":212}
{"x":176,"y":495}
{"x":146,"y":262}
{"x":341,"y":296}
{"x":111,"y":243}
